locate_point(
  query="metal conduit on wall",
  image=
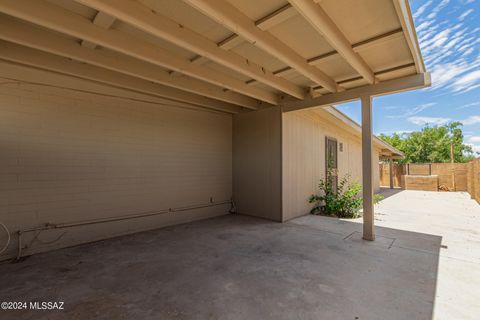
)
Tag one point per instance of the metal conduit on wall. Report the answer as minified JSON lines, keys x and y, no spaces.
{"x":50,"y":226}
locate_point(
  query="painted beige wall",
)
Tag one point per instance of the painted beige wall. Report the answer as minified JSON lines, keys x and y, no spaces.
{"x":257,"y":163}
{"x":67,"y":157}
{"x":304,"y":157}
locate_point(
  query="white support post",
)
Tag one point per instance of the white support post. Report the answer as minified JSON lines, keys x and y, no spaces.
{"x":367,"y":176}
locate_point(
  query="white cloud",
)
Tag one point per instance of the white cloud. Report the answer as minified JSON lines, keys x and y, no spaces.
{"x":474,"y":139}
{"x":466,"y":81}
{"x":437,"y":9}
{"x":421,"y":121}
{"x":467,"y":52}
{"x":465,"y":14}
{"x":470,"y":120}
{"x":451,"y":74}
{"x":399,"y":132}
{"x":424,"y":25}
{"x":449,"y":48}
{"x":422,"y":9}
{"x":413,"y":111}
{"x":475,"y":147}
{"x":468,"y":105}
{"x":391,"y":107}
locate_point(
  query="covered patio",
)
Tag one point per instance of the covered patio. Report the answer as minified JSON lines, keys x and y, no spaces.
{"x":120,"y":118}
{"x":239,"y":267}
{"x":243,"y":59}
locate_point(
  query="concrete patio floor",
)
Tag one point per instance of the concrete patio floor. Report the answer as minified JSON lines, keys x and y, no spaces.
{"x":426,"y":260}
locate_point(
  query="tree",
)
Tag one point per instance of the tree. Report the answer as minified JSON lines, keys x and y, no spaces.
{"x":431,"y":144}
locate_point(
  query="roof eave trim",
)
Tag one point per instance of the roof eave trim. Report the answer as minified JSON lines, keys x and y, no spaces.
{"x":404,"y":13}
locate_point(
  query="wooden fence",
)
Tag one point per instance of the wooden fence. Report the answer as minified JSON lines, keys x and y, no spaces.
{"x":473,"y":179}
{"x":451,"y":176}
{"x":466,"y":176}
{"x":398,"y":171}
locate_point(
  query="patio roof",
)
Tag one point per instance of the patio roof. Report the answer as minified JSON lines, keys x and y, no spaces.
{"x":245,"y":54}
{"x":230,"y":56}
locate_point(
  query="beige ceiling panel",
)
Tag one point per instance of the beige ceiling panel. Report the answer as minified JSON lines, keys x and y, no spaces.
{"x":258,"y":56}
{"x":4,"y":17}
{"x":256,"y":9}
{"x":336,"y":67}
{"x":309,"y":44}
{"x":180,"y":52}
{"x":184,"y":14}
{"x":397,"y":73}
{"x":362,"y":19}
{"x":218,"y":67}
{"x":387,"y":54}
{"x":265,"y":87}
{"x":298,"y":79}
{"x":76,"y":7}
{"x":355,"y":83}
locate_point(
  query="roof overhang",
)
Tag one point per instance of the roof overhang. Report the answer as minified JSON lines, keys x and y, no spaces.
{"x":387,"y":151}
{"x":232,"y":56}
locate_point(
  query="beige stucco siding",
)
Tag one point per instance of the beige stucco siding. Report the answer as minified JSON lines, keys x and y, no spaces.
{"x":257,"y":163}
{"x":304,"y":158}
{"x":68,"y":157}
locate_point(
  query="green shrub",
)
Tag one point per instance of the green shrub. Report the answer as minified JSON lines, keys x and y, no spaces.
{"x":345,"y":202}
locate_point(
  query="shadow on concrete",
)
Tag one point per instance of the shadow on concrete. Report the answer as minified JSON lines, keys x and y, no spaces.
{"x":234,"y":267}
{"x":387,"y":192}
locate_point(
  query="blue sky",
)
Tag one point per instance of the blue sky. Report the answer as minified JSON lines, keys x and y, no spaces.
{"x":449,"y":37}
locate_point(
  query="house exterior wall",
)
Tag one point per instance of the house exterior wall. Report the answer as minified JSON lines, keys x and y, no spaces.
{"x":257,"y":163}
{"x":67,"y":156}
{"x":304,"y":158}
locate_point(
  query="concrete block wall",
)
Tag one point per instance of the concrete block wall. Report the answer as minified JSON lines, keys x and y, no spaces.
{"x":68,"y":156}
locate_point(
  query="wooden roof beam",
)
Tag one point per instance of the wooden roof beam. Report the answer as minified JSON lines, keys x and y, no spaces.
{"x":229,"y":16}
{"x":145,"y":19}
{"x":24,"y":34}
{"x":269,"y":21}
{"x":405,"y":16}
{"x":417,"y":81}
{"x":319,"y":19}
{"x":40,"y":77}
{"x":103,"y":20}
{"x":393,"y":34}
{"x":46,"y":61}
{"x":58,"y":19}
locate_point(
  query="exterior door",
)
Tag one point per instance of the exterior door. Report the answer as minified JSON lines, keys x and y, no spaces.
{"x":331,"y":162}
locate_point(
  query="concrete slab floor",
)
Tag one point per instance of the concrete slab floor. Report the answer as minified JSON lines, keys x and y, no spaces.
{"x":237,"y":267}
{"x":444,"y":224}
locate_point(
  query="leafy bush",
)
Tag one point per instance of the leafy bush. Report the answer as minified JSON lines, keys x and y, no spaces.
{"x":345,"y":202}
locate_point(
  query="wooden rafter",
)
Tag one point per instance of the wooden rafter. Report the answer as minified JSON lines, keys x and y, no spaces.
{"x":377,"y":73}
{"x":229,"y":16}
{"x":34,"y":58}
{"x":266,"y":22}
{"x":407,"y":83}
{"x":143,"y":18}
{"x":103,"y":20}
{"x":40,"y":77}
{"x":319,"y":19}
{"x":54,"y":17}
{"x":356,"y":47}
{"x":405,"y":16}
{"x":22,"y":33}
